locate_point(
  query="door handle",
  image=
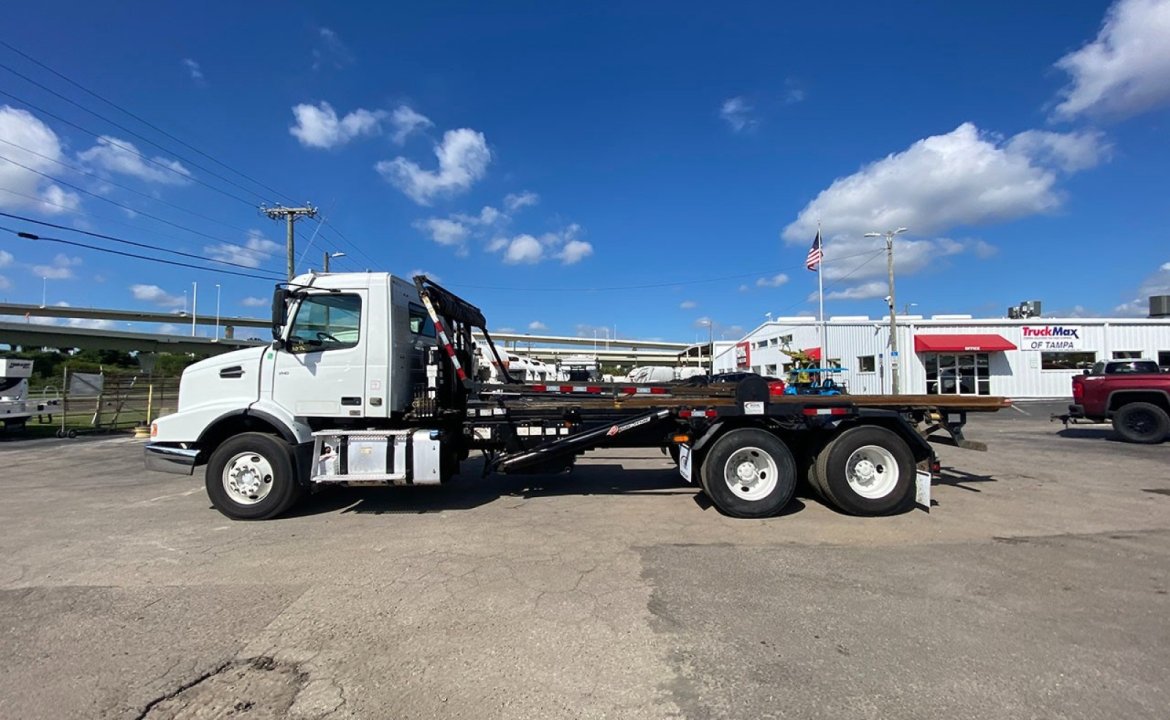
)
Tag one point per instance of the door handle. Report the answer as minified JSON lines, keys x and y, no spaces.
{"x":235,"y":371}
{"x":351,"y":401}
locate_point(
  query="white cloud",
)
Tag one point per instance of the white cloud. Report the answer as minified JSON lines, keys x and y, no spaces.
{"x":793,"y":92}
{"x":523,"y":249}
{"x":575,"y":251}
{"x":255,"y":302}
{"x":516,"y":201}
{"x":428,"y":273}
{"x":194,"y":70}
{"x":865,"y":291}
{"x":5,"y":283}
{"x":406,"y":121}
{"x":488,"y":215}
{"x":463,"y":159}
{"x":688,"y":305}
{"x":60,"y":269}
{"x":318,"y":126}
{"x":91,"y":323}
{"x":1157,"y":283}
{"x":526,"y":249}
{"x":114,"y":155}
{"x":36,"y":146}
{"x":1069,"y":152}
{"x":1126,"y":69}
{"x":737,"y":112}
{"x":537,"y":326}
{"x":773,"y":281}
{"x":254,"y":252}
{"x":450,"y":233}
{"x":330,"y":51}
{"x":5,"y":258}
{"x":168,"y":329}
{"x":963,"y":177}
{"x":157,"y":296}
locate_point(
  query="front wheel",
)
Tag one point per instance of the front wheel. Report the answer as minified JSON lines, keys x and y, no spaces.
{"x":1141,"y":422}
{"x":251,"y":477}
{"x":749,"y":473}
{"x":866,"y":471}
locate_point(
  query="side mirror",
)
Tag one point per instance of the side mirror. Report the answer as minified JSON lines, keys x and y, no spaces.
{"x":280,"y":298}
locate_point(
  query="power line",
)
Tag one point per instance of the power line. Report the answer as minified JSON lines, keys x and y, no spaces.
{"x":139,"y":118}
{"x":123,"y":241}
{"x":123,"y":128}
{"x":148,"y":196}
{"x":176,"y":263}
{"x":353,"y":246}
{"x":115,"y":203}
{"x":130,"y":150}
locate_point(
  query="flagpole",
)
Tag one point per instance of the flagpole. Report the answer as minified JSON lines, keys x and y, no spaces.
{"x":821,"y":296}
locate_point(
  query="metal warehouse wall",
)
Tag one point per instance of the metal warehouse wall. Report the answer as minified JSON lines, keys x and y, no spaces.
{"x":1014,"y":373}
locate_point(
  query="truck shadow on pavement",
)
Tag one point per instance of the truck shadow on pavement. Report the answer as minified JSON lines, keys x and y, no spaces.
{"x":469,"y":490}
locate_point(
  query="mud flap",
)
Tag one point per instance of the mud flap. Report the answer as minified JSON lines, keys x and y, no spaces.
{"x":922,"y":489}
{"x":684,"y":462}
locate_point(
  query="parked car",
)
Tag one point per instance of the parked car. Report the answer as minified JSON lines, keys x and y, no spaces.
{"x":1132,"y":394}
{"x":776,"y":386}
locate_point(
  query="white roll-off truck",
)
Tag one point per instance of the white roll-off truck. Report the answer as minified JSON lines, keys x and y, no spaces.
{"x":369,"y":380}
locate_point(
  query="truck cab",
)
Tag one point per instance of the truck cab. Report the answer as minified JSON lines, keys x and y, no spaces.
{"x":347,"y":349}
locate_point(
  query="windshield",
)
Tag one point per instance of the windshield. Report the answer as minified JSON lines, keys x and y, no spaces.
{"x":1131,"y":367}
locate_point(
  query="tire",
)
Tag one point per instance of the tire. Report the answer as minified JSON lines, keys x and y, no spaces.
{"x":252,"y":477}
{"x":749,"y":473}
{"x":883,"y":485}
{"x":1141,"y":422}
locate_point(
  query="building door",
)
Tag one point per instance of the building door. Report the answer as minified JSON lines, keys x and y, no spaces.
{"x":957,"y":373}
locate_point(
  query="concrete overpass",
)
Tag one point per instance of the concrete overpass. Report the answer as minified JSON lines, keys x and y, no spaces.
{"x":18,"y":330}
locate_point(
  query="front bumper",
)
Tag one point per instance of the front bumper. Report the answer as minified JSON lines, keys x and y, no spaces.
{"x":170,"y":459}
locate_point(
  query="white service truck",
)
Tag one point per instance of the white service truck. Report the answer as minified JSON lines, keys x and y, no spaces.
{"x":369,"y":381}
{"x":16,"y":407}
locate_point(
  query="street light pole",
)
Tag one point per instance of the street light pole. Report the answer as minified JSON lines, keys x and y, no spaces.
{"x":44,"y":291}
{"x":194,"y":301}
{"x":217,"y":311}
{"x":895,"y":385}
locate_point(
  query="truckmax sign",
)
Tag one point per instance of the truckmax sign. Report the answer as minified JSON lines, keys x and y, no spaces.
{"x":1052,"y":338}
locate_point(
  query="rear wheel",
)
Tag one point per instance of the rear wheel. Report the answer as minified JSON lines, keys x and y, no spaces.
{"x":866,"y":471}
{"x":1141,"y":422}
{"x":251,"y":477}
{"x":749,"y":473}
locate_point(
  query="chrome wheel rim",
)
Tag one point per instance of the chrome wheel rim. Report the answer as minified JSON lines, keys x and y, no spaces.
{"x":247,"y":478}
{"x":750,"y":473}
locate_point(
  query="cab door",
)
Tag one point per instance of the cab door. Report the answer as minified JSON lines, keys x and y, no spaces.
{"x":321,"y":370}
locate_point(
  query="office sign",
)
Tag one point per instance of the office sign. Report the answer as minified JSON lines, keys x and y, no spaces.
{"x":743,"y":355}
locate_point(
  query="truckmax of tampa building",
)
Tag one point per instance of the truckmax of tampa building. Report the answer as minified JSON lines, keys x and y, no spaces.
{"x":368,"y":381}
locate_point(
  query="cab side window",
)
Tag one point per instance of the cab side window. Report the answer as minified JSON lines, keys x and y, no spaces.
{"x":420,"y":322}
{"x":326,"y":322}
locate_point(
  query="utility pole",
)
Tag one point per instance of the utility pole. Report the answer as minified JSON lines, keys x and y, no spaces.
{"x":290,"y":216}
{"x":895,"y":385}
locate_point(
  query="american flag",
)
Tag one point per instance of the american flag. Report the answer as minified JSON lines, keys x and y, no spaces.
{"x":814,"y":254}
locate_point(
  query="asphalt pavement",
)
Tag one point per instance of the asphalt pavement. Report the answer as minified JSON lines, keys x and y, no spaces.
{"x":1036,"y":586}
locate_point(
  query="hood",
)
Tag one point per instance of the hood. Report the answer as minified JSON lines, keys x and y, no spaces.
{"x":213,"y":380}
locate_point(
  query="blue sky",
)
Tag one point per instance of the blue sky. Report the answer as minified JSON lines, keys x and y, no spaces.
{"x":572,"y":167}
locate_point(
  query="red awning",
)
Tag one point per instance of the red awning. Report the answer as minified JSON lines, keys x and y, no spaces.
{"x":813,"y":353}
{"x":961,"y":343}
